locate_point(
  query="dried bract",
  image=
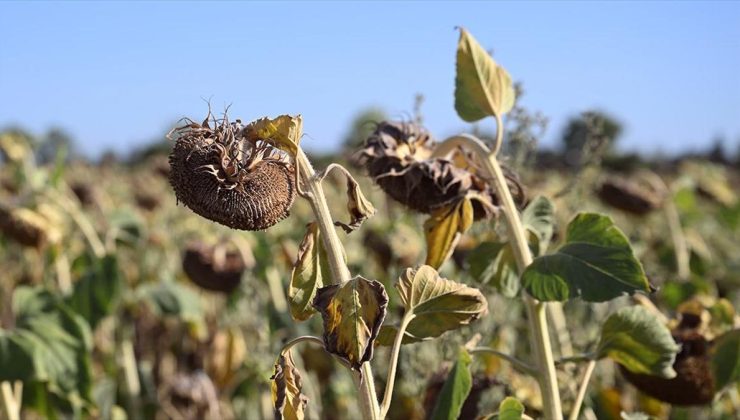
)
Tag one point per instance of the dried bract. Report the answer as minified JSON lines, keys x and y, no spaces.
{"x":398,"y":155}
{"x":221,"y":175}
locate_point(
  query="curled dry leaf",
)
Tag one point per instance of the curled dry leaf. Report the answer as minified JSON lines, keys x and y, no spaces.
{"x":287,"y":384}
{"x":353,"y":313}
{"x":359,"y":207}
{"x":225,"y":176}
{"x":306,"y":278}
{"x":436,"y":303}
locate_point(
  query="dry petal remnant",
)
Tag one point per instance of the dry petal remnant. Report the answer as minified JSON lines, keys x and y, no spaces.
{"x":398,"y":155}
{"x":221,"y":175}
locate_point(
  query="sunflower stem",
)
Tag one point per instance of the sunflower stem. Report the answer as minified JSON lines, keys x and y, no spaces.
{"x":536,"y":311}
{"x":314,"y":193}
{"x":388,"y":394}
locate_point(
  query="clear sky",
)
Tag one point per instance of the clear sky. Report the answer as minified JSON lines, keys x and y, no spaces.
{"x":115,"y":75}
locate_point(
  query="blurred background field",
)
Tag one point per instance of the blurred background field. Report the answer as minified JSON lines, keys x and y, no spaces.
{"x":107,"y":278}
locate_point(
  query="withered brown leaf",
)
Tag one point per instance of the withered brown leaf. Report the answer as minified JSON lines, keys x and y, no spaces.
{"x":353,"y":313}
{"x":287,"y":399}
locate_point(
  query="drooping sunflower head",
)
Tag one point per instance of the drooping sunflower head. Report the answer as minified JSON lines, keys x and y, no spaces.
{"x":400,"y":158}
{"x":221,"y":175}
{"x":213,"y":268}
{"x":630,"y":196}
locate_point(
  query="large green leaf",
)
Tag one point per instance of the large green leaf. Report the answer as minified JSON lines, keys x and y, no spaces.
{"x":437,"y":304}
{"x":98,"y":292}
{"x":306,"y":278}
{"x":48,"y":349}
{"x":482,"y":87}
{"x":725,"y":359}
{"x":638,"y":340}
{"x":493,"y":263}
{"x":353,"y":313}
{"x":455,"y":389}
{"x":596,"y":263}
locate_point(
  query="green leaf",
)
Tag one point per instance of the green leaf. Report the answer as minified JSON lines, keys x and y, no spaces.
{"x":493,"y":263}
{"x":596,"y":263}
{"x":455,"y":390}
{"x":353,"y":313}
{"x":49,"y":346}
{"x":725,"y":359}
{"x":168,"y":298}
{"x":387,"y":336}
{"x":482,"y":87}
{"x":98,"y":292}
{"x":638,"y":340}
{"x":443,"y":230}
{"x":287,"y":397}
{"x":306,"y":278}
{"x":510,"y":409}
{"x":437,"y":304}
{"x":539,"y":219}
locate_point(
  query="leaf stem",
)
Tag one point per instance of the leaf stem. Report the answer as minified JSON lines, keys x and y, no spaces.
{"x":301,"y":339}
{"x":535,"y":309}
{"x":388,"y":394}
{"x":588,"y":357}
{"x":582,"y":390}
{"x":10,"y":399}
{"x":314,"y":193}
{"x":519,"y":364}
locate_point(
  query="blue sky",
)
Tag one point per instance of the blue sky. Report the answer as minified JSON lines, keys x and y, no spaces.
{"x":115,"y":75}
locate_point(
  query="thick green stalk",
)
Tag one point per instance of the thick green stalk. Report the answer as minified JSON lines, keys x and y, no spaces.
{"x":314,"y":193}
{"x":517,"y":236}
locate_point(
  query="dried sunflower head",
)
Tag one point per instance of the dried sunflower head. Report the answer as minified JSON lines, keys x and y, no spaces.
{"x":693,"y":383}
{"x":629,"y":196}
{"x":221,"y":175}
{"x":398,"y":155}
{"x":27,"y":227}
{"x":213,"y":268}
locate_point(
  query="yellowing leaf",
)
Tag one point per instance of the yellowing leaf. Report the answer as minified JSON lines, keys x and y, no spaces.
{"x":482,"y":87}
{"x":353,"y":313}
{"x":284,"y":132}
{"x":306,"y":277}
{"x":287,"y":398}
{"x":443,"y":230}
{"x":437,"y":304}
